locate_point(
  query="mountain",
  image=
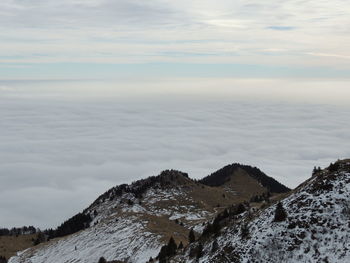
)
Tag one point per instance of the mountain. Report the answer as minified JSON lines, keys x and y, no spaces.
{"x":130,"y":223}
{"x":233,"y":213}
{"x":243,"y":178}
{"x":311,"y":224}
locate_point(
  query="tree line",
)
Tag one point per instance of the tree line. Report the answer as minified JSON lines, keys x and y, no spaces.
{"x":138,"y":188}
{"x":74,"y":224}
{"x":15,"y":231}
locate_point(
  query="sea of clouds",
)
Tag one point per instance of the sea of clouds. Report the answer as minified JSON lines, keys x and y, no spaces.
{"x":58,"y":153}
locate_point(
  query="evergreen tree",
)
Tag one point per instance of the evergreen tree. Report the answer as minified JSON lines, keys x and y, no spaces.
{"x":3,"y":259}
{"x":191,"y":236}
{"x":240,"y":209}
{"x":171,"y":247}
{"x":208,"y":230}
{"x":216,"y":226}
{"x":162,"y":256}
{"x":167,"y":251}
{"x":280,"y":213}
{"x":102,"y":260}
{"x":181,"y":246}
{"x":199,"y":251}
{"x":245,"y":231}
{"x":333,"y":167}
{"x":316,"y":170}
{"x":39,"y":238}
{"x":215,"y":246}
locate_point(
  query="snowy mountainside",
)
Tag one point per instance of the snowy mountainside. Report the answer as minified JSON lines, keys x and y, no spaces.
{"x":120,"y":227}
{"x":130,"y":223}
{"x":316,"y":227}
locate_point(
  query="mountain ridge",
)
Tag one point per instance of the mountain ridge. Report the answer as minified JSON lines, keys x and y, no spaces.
{"x":151,"y":209}
{"x":314,"y":226}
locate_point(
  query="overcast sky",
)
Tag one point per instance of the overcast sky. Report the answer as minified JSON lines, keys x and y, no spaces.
{"x":96,"y":38}
{"x":94,"y":93}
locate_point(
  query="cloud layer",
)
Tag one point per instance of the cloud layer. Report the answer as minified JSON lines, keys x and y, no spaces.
{"x":58,"y":153}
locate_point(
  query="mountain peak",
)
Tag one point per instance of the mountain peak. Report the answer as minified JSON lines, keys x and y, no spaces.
{"x":132,"y":222}
{"x":223,"y":175}
{"x":314,"y":226}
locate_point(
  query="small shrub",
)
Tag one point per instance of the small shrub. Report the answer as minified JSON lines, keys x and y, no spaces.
{"x":244,"y":231}
{"x":280,"y":213}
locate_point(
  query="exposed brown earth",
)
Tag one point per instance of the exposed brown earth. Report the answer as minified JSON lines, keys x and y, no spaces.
{"x":9,"y":245}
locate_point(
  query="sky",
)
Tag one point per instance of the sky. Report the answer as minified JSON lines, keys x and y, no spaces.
{"x":95,"y":93}
{"x":70,"y":39}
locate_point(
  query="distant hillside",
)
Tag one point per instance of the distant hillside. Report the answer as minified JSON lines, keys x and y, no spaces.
{"x":223,"y":175}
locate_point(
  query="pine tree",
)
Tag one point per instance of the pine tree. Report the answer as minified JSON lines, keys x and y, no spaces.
{"x":39,"y":238}
{"x":199,"y":251}
{"x":245,"y":231}
{"x":167,"y":251}
{"x":171,"y":247}
{"x":3,"y":259}
{"x":208,"y":230}
{"x":216,"y":226}
{"x":215,"y":246}
{"x":280,"y":213}
{"x":162,"y":256}
{"x":102,"y":260}
{"x":333,"y":167}
{"x":191,"y":236}
{"x":240,"y":209}
{"x":316,"y":170}
{"x":181,"y":246}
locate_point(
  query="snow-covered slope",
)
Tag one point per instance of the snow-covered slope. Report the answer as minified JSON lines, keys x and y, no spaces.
{"x":317,"y":227}
{"x":122,"y":227}
{"x":126,"y":240}
{"x":130,"y":223}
